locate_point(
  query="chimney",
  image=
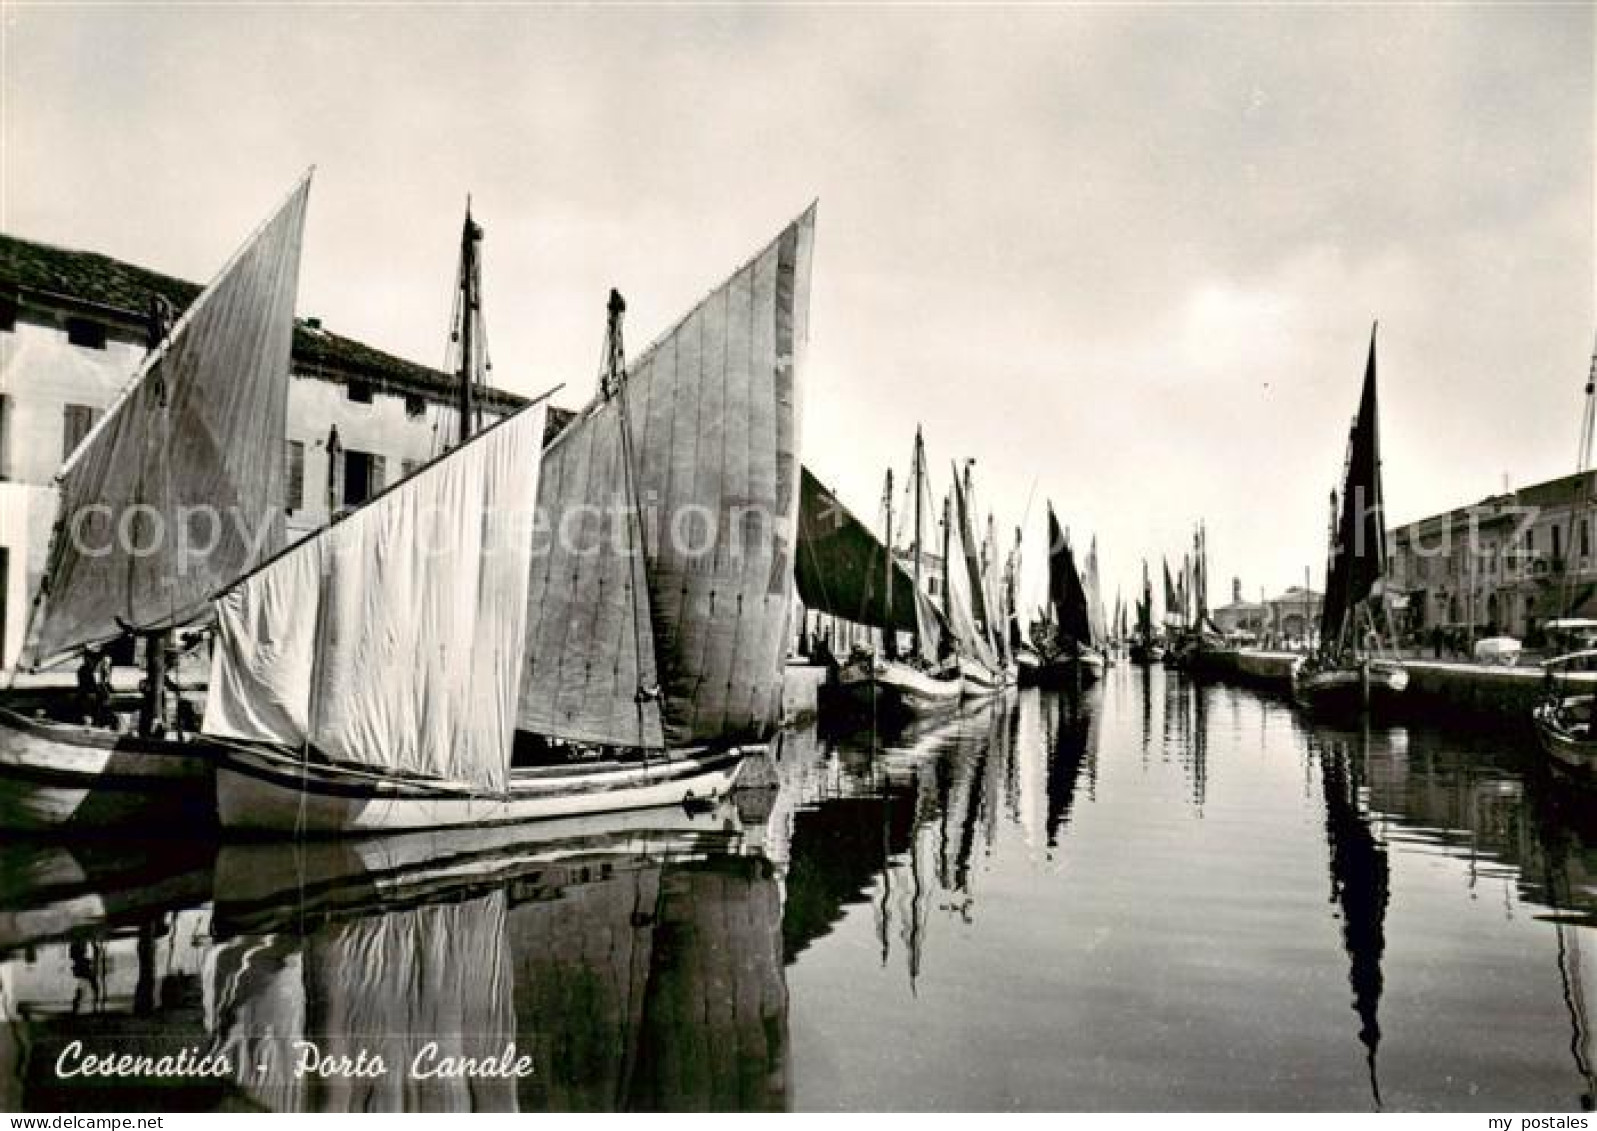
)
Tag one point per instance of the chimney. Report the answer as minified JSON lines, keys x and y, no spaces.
{"x":1236,"y":591}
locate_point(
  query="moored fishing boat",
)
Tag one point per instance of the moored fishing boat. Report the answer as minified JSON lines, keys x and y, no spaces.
{"x":362,"y":685}
{"x":1145,"y":648}
{"x":842,"y":570}
{"x":1071,"y":656}
{"x":1349,"y":672}
{"x":189,"y":456}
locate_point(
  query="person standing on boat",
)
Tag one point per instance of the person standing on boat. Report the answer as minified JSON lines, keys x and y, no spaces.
{"x":94,"y":688}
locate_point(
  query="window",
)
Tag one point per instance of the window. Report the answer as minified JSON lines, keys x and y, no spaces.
{"x":363,"y":476}
{"x":5,"y":439}
{"x":294,"y":481}
{"x":8,"y":313}
{"x":359,"y":391}
{"x":1557,"y":542}
{"x":86,"y":332}
{"x":415,"y":404}
{"x":76,"y":421}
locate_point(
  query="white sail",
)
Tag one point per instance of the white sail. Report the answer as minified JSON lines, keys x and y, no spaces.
{"x":698,"y":605}
{"x":394,"y":637}
{"x":173,"y":496}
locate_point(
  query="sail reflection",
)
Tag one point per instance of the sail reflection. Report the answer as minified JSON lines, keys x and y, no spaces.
{"x":1360,"y":886}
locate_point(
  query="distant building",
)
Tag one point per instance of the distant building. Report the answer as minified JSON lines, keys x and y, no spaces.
{"x":1241,"y":615}
{"x":1508,"y":563}
{"x":1289,"y":615}
{"x":1295,"y":613}
{"x":73,"y":331}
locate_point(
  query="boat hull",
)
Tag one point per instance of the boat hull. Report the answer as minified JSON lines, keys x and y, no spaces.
{"x":1372,"y":687}
{"x":1571,"y":750}
{"x":270,"y":790}
{"x":978,"y":682}
{"x":889,"y":691}
{"x":56,"y":776}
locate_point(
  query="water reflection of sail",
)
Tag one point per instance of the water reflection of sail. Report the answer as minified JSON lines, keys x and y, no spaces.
{"x":961,"y":790}
{"x":1360,"y":886}
{"x":417,"y":987}
{"x":1069,"y":750}
{"x":655,"y":985}
{"x":713,"y":1030}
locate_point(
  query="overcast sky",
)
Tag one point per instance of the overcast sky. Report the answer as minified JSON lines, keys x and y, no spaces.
{"x":1129,"y":255}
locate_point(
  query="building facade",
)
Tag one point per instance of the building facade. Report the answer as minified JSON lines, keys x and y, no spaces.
{"x":1506,"y":564}
{"x":1290,"y":616}
{"x":73,"y":331}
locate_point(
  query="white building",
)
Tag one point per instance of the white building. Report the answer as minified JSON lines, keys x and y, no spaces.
{"x":73,"y":330}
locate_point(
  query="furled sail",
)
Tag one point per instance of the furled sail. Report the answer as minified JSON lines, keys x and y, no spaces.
{"x":975,"y":583}
{"x":962,"y":589}
{"x":174,"y":495}
{"x":393,"y":638}
{"x":714,"y":476}
{"x":1095,"y":612}
{"x":841,"y":569}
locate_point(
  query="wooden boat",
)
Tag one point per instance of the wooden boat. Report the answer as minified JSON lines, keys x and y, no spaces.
{"x":1071,"y":653}
{"x":1348,"y":673}
{"x":841,"y":569}
{"x":362,"y":685}
{"x":198,"y":432}
{"x":1145,"y":649}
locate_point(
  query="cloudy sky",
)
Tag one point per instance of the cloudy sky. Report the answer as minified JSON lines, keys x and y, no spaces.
{"x":1126,"y":257}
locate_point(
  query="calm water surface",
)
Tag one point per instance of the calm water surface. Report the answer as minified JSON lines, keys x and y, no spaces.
{"x":1156,"y":895}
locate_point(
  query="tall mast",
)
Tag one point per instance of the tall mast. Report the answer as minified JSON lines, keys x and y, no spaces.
{"x":470,"y":311}
{"x":916,"y":473}
{"x":889,"y":633}
{"x":948,"y":567}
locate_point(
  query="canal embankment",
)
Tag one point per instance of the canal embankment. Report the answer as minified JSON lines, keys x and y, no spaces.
{"x":1477,"y":692}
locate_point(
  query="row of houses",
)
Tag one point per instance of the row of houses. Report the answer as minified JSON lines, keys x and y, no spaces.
{"x":1506,"y":564}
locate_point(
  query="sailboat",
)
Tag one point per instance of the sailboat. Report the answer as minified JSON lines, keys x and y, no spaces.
{"x":480,"y":644}
{"x":967,"y":601}
{"x":1566,"y":718}
{"x":843,"y":570}
{"x":1348,"y":670}
{"x":1073,"y":656}
{"x":1145,"y":648}
{"x":190,"y":455}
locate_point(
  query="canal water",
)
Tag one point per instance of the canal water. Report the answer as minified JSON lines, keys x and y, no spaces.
{"x":1153,"y":895}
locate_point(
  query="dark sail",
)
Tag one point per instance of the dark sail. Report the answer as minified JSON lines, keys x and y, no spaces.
{"x":1065,"y":589}
{"x":1358,"y":555}
{"x":840,"y":566}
